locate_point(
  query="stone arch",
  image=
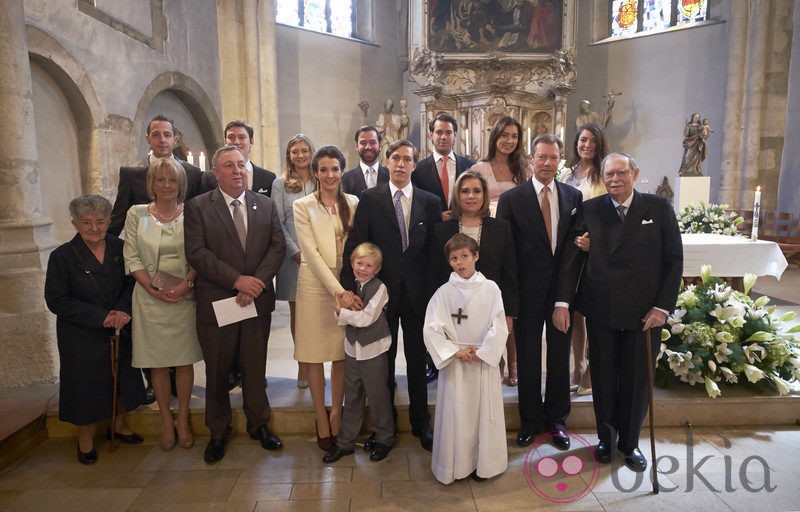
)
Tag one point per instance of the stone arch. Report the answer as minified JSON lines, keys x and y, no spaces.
{"x":74,"y":82}
{"x":191,"y":94}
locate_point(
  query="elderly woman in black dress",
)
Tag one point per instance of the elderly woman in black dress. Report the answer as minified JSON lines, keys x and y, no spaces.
{"x":496,"y":257}
{"x":86,"y":288}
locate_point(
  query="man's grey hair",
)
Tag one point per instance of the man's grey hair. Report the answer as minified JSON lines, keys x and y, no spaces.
{"x":629,"y":158}
{"x":89,"y":204}
{"x":547,"y":138}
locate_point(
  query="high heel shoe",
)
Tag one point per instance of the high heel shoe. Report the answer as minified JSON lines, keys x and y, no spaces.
{"x":326,"y":443}
{"x":167,"y":446}
{"x":512,"y":380}
{"x":132,"y":438}
{"x":87,"y":458}
{"x":187,"y":442}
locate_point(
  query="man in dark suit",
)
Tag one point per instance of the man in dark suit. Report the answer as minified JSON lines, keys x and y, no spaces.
{"x":235,"y":241}
{"x":429,"y":174}
{"x":240,"y":134}
{"x":630,"y":281}
{"x":369,"y":173}
{"x":541,"y":212}
{"x":133,"y":178}
{"x":398,"y":217}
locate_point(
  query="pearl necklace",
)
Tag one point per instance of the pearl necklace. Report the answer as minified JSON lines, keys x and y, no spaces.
{"x":165,"y":218}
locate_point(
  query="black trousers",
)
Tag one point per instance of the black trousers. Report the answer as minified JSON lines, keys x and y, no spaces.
{"x":619,"y":381}
{"x":411,"y":312}
{"x":535,"y":414}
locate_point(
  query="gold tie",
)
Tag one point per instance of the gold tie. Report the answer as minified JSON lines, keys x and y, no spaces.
{"x":548,"y":221}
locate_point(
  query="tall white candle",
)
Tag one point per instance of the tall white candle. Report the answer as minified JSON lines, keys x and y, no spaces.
{"x":756,"y":214}
{"x":190,"y":158}
{"x":466,"y":142}
{"x":202,"y":162}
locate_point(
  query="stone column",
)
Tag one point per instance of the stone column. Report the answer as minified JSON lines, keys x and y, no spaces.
{"x":27,"y":351}
{"x":271,"y":147}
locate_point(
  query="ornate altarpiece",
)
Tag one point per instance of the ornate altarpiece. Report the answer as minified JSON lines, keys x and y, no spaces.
{"x":528,"y":72}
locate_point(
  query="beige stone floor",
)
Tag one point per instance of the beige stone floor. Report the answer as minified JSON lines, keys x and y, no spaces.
{"x":143,"y":478}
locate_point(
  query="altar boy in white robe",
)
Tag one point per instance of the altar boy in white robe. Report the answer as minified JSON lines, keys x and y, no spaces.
{"x":465,"y":333}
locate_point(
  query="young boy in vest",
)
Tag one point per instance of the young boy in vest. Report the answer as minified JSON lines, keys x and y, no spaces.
{"x":465,"y":333}
{"x":367,"y":339}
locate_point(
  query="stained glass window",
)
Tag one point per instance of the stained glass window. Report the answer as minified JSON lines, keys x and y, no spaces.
{"x":331,"y":16}
{"x":631,"y":17}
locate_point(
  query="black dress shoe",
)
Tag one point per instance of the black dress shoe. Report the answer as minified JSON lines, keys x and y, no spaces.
{"x":335,"y":454}
{"x":379,"y":452}
{"x":425,"y":436}
{"x":268,"y":440}
{"x":525,"y":437}
{"x":604,"y":453}
{"x":560,"y":439}
{"x":216,"y":447}
{"x":636,"y":461}
{"x":89,"y":457}
{"x":431,"y":374}
{"x":369,"y":444}
{"x":132,"y":438}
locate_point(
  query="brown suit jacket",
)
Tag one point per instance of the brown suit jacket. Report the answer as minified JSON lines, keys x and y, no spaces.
{"x":214,"y":250}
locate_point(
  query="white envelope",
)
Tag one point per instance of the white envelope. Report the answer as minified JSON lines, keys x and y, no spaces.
{"x":229,"y":312}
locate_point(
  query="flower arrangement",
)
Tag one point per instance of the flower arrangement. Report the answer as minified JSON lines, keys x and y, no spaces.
{"x":708,"y":218}
{"x":718,"y":335}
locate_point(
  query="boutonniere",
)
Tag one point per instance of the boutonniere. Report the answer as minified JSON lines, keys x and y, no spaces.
{"x":255,"y":207}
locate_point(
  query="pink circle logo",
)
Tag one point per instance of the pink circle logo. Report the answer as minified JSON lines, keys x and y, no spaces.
{"x":556,"y":478}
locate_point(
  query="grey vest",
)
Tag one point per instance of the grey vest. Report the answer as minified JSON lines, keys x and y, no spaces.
{"x":378,"y":329}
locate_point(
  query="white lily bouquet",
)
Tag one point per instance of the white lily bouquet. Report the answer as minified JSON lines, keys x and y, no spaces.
{"x":708,"y":218}
{"x":718,"y":335}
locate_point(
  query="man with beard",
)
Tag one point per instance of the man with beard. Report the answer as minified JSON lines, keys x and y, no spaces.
{"x":369,"y":172}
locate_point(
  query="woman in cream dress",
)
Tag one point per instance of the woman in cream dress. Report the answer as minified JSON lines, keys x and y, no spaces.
{"x":164,"y":332}
{"x":588,"y":151}
{"x":323,"y":221}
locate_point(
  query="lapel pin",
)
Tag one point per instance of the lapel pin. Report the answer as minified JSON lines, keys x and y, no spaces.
{"x":255,"y":207}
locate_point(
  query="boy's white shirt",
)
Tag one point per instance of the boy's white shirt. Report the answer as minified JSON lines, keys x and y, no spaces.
{"x":367,"y":316}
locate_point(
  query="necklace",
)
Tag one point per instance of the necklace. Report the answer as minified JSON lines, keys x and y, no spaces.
{"x":167,"y":218}
{"x":472,"y":231}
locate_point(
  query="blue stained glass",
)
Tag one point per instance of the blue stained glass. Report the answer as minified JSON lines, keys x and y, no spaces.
{"x":314,"y":15}
{"x":655,"y":15}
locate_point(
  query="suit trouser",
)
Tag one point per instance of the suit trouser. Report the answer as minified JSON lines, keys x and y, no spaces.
{"x":411,"y":311}
{"x":619,"y":381}
{"x":552,"y":414}
{"x":366,"y":380}
{"x":221,"y":345}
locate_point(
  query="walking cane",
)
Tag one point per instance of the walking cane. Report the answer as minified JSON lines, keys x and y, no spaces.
{"x":650,"y":396}
{"x":114,"y":372}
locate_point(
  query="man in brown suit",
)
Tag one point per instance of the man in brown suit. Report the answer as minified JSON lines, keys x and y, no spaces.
{"x":234,"y":240}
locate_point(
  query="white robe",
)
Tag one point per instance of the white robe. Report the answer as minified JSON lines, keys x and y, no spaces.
{"x":469,"y":431}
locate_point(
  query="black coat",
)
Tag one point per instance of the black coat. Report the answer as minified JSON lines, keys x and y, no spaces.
{"x":262,"y":181}
{"x":426,"y":177}
{"x":497,"y":259}
{"x":86,"y":386}
{"x":353,"y":181}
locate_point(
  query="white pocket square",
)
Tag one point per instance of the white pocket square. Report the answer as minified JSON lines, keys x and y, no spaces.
{"x":262,"y":190}
{"x":648,"y":221}
{"x":574,"y":211}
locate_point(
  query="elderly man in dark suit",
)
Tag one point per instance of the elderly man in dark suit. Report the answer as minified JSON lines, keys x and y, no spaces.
{"x":240,"y":134}
{"x":235,"y":242}
{"x":369,"y":173}
{"x":398,"y":217}
{"x":438,"y":172}
{"x":132,"y":187}
{"x":541,"y":212}
{"x":629,"y":283}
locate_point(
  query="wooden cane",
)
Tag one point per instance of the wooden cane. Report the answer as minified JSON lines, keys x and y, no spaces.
{"x":114,"y":373}
{"x":650,"y":396}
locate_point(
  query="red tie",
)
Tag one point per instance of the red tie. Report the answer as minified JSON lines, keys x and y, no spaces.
{"x":445,"y":177}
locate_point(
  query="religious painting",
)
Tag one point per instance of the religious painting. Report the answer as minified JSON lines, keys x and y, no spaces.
{"x":514,"y":26}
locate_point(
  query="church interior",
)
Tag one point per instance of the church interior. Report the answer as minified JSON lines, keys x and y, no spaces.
{"x":84,"y":77}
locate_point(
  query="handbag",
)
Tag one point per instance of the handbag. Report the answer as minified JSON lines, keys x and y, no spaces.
{"x":166,"y":281}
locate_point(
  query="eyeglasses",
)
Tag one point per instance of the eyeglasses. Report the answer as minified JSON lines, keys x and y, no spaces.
{"x":618,"y":174}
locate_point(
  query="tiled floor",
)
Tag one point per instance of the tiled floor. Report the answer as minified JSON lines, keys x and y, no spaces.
{"x":143,"y":478}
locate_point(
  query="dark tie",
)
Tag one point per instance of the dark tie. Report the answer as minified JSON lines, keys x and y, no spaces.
{"x":238,"y":221}
{"x":621,"y":211}
{"x":445,"y":178}
{"x":401,"y":219}
{"x":548,"y":220}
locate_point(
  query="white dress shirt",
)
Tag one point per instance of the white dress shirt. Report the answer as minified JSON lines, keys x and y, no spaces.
{"x":405,"y":201}
{"x":366,"y":169}
{"x":367,"y":316}
{"x":538,"y":186}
